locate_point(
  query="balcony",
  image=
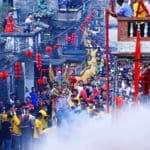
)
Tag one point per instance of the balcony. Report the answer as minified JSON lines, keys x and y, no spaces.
{"x":127,"y":39}
{"x":16,"y":42}
{"x":69,"y":14}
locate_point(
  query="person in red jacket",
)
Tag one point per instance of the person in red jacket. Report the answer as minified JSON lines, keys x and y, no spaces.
{"x":9,"y":23}
{"x":145,"y":79}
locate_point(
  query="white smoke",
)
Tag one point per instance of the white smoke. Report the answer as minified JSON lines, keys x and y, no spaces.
{"x":125,"y":131}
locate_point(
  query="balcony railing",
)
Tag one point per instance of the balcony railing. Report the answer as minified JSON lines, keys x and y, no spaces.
{"x":69,"y":14}
{"x":126,"y":33}
{"x":18,"y":41}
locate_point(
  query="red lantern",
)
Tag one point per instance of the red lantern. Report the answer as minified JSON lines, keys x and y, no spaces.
{"x":89,"y":18}
{"x":18,"y":70}
{"x":73,"y":38}
{"x":93,"y":12}
{"x":40,"y":81}
{"x":29,"y":53}
{"x":4,"y":75}
{"x":68,"y":38}
{"x":48,"y":48}
{"x":57,"y":46}
{"x":38,"y":61}
{"x":84,"y":24}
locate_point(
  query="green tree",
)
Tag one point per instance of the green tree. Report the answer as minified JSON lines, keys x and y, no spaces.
{"x":43,"y":9}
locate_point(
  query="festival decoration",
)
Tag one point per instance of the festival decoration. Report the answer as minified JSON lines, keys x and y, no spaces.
{"x":137,"y":66}
{"x":4,"y":75}
{"x":48,"y":48}
{"x":68,"y":38}
{"x":18,"y":70}
{"x":66,"y":74}
{"x":87,"y":20}
{"x":51,"y":73}
{"x":40,"y":81}
{"x":38,"y":61}
{"x":57,"y":46}
{"x":73,"y":38}
{"x":29,"y":53}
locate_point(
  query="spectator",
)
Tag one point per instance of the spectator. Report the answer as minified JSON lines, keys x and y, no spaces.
{"x":34,"y":96}
{"x":6,"y":133}
{"x":16,"y":130}
{"x":26,"y":129}
{"x":124,"y":11}
{"x":140,"y":10}
{"x":9,"y":23}
{"x":28,"y":23}
{"x":37,"y":127}
{"x":12,"y":99}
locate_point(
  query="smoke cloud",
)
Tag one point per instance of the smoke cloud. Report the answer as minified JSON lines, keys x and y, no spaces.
{"x":124,"y":131}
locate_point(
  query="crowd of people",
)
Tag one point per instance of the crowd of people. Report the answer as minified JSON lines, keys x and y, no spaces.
{"x":24,"y":123}
{"x":29,"y":25}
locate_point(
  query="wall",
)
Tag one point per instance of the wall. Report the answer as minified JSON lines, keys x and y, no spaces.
{"x":24,"y":7}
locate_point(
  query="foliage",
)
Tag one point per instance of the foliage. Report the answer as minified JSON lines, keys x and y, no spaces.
{"x":4,"y":8}
{"x":43,"y":10}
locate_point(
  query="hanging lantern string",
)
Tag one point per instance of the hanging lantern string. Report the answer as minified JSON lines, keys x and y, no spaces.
{"x":73,"y":36}
{"x":91,"y":14}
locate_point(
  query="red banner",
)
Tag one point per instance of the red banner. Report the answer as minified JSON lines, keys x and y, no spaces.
{"x":137,"y":67}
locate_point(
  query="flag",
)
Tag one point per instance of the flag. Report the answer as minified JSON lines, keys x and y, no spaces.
{"x":137,"y":66}
{"x":66,"y":74}
{"x":51,"y":73}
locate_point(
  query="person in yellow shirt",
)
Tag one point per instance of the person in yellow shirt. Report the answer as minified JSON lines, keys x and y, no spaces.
{"x":38,"y":128}
{"x":16,"y":130}
{"x":4,"y":116}
{"x":140,"y":11}
{"x":91,"y":108}
{"x":44,"y":119}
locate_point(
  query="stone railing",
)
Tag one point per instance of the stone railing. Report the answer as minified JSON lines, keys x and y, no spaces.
{"x":69,"y":14}
{"x":127,"y":34}
{"x":2,"y":45}
{"x":19,"y":41}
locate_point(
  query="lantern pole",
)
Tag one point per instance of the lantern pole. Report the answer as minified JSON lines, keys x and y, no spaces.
{"x":107,"y":56}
